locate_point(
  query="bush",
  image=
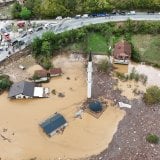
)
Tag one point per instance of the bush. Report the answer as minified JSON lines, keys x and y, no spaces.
{"x":45,"y":62}
{"x":25,"y":13}
{"x":121,"y":76}
{"x":152,"y":138}
{"x":152,"y":95}
{"x":5,"y":82}
{"x":104,"y":66}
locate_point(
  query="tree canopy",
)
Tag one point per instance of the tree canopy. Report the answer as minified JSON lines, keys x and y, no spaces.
{"x":53,"y":8}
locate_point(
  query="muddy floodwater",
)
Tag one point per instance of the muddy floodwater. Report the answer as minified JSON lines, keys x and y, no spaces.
{"x":22,"y":138}
{"x":152,"y":73}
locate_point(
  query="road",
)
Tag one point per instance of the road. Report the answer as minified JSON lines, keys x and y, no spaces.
{"x":65,"y":25}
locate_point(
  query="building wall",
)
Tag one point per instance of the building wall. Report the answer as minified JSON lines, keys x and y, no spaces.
{"x":54,"y":132}
{"x":55,"y":75}
{"x":21,"y":96}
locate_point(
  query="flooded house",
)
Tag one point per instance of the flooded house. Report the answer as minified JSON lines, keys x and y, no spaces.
{"x":55,"y":72}
{"x":54,"y":124}
{"x":41,"y":76}
{"x":24,"y":89}
{"x":122,"y":53}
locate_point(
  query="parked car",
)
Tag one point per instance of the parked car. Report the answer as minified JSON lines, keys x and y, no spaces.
{"x":59,"y":18}
{"x":85,"y":16}
{"x":30,"y":31}
{"x":101,"y":15}
{"x":113,"y":13}
{"x":21,"y":24}
{"x":1,"y":48}
{"x":150,"y":12}
{"x":122,"y":13}
{"x":131,"y":13}
{"x":78,"y":16}
{"x":24,"y":35}
{"x":14,"y":42}
{"x":21,"y":43}
{"x":39,"y":28}
{"x":7,"y":37}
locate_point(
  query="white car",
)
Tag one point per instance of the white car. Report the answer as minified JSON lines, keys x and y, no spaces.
{"x":78,"y":16}
{"x":59,"y":18}
{"x":85,"y":16}
{"x":132,"y":12}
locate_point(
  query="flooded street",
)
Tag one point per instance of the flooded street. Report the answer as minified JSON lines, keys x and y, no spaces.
{"x":20,"y":119}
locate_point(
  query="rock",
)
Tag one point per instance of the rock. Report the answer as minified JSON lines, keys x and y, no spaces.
{"x":68,"y":78}
{"x":61,"y":95}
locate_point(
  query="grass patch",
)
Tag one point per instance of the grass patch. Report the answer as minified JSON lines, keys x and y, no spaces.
{"x":152,"y":138}
{"x":148,"y":47}
{"x":97,"y":43}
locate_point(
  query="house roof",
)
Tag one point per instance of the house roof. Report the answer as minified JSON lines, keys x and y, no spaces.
{"x":41,"y":73}
{"x":53,"y":123}
{"x":55,"y":71}
{"x":95,"y":106}
{"x":122,"y":48}
{"x":23,"y":87}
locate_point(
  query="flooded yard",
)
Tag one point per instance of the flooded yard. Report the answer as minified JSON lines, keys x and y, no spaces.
{"x":152,"y":73}
{"x":20,"y":119}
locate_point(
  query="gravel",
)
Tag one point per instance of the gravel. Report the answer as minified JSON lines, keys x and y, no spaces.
{"x":129,"y":142}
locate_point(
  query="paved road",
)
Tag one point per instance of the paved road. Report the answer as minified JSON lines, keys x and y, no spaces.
{"x":64,"y":25}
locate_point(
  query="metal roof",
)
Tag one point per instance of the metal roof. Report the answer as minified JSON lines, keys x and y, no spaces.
{"x":23,"y":87}
{"x":95,"y":106}
{"x":53,"y":123}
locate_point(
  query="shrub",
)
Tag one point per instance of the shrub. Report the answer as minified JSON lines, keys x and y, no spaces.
{"x":45,"y":62}
{"x":5,"y":82}
{"x":104,"y":66}
{"x":152,"y":95}
{"x":121,"y":76}
{"x":152,"y":138}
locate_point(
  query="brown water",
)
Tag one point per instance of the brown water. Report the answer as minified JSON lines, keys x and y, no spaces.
{"x":83,"y":137}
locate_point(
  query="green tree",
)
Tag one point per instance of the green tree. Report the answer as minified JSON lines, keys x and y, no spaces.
{"x":25,"y":13}
{"x":36,"y":46}
{"x":46,"y":48}
{"x":16,"y":9}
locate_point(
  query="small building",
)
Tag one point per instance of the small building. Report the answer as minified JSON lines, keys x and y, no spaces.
{"x":41,"y":76}
{"x":27,"y":90}
{"x":54,"y":124}
{"x":122,"y":52}
{"x":21,"y":90}
{"x":55,"y":72}
{"x":95,"y":107}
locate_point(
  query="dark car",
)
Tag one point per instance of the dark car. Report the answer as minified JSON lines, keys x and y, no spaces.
{"x":39,"y":29}
{"x":122,"y":13}
{"x":23,"y":35}
{"x":21,"y":43}
{"x":101,"y":15}
{"x":14,"y":42}
{"x":113,"y":13}
{"x":150,"y":12}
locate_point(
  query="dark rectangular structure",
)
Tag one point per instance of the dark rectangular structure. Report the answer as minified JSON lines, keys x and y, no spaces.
{"x":53,"y":124}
